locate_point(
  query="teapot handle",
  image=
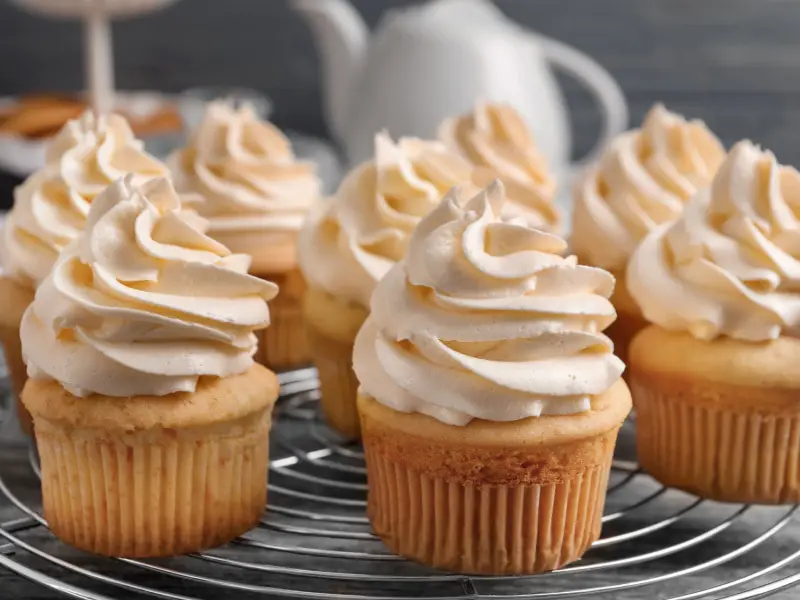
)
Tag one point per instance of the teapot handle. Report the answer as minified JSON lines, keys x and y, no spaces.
{"x":605,"y":89}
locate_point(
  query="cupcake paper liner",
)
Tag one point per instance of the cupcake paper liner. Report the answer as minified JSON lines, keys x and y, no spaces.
{"x":338,"y":383}
{"x":12,"y":352}
{"x":622,"y":331}
{"x":153,"y":492}
{"x":284,"y":344}
{"x":491,"y":529}
{"x":717,"y":453}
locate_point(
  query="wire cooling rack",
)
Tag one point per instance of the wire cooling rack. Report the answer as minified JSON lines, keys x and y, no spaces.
{"x":314,"y":540}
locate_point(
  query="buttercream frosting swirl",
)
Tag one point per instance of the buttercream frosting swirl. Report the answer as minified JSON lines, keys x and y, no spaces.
{"x":143,"y":303}
{"x":254,"y":189}
{"x":643,"y":179}
{"x":350,"y":243}
{"x":51,"y":206}
{"x":496,"y":139}
{"x":484,"y":319}
{"x":730,"y":266}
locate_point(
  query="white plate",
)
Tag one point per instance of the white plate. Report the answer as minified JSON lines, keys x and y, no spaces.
{"x":21,"y":156}
{"x":73,"y":9}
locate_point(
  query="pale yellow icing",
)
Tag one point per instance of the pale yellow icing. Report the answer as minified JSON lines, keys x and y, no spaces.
{"x":51,"y":206}
{"x":644,"y":178}
{"x":143,"y":303}
{"x":485,"y":319}
{"x":350,"y":243}
{"x":498,"y":142}
{"x":731,"y":264}
{"x":255,"y":192}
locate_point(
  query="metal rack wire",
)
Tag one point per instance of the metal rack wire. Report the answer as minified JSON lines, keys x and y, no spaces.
{"x":314,"y":540}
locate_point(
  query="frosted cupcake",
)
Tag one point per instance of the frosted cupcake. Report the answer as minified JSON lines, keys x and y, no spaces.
{"x":644,"y":178}
{"x":490,"y":400}
{"x":498,"y":143}
{"x":349,"y":244}
{"x":150,"y":417}
{"x":715,"y":379}
{"x":50,"y":210}
{"x":256,"y":196}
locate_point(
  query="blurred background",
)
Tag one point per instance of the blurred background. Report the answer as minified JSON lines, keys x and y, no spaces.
{"x":733,"y":63}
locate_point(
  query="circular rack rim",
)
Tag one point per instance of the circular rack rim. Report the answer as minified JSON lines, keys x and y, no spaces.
{"x":339,"y":514}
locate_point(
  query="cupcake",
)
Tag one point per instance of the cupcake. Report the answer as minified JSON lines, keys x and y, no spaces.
{"x":151,"y":418}
{"x":490,"y":399}
{"x":50,"y":210}
{"x":498,"y":143}
{"x":256,"y":196}
{"x":644,"y":178}
{"x":350,"y":243}
{"x":715,"y":378}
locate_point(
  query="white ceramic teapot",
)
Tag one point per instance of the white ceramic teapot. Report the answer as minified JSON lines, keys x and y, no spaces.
{"x":430,"y":62}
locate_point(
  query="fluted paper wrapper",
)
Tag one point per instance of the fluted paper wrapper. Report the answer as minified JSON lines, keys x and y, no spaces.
{"x":717,"y":453}
{"x":338,"y":383}
{"x":621,"y":332}
{"x":492,"y":529}
{"x":12,"y":352}
{"x":156,"y":492}
{"x":629,"y":319}
{"x":284,"y":344}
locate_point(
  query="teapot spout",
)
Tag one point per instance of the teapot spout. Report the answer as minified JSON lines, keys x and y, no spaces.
{"x":341,"y":37}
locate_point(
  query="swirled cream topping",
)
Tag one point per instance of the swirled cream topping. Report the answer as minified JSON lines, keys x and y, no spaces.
{"x":644,"y":178}
{"x":255,"y":190}
{"x":349,"y":244}
{"x":51,"y":206}
{"x":484,"y":319}
{"x":143,"y":303}
{"x":731,"y":265}
{"x":496,"y":139}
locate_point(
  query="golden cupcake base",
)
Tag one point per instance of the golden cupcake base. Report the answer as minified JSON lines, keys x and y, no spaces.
{"x":17,"y":372}
{"x":15,"y":299}
{"x":490,"y":498}
{"x":155,"y":497}
{"x":332,"y":326}
{"x":508,"y":529}
{"x":154,"y":476}
{"x":718,"y":419}
{"x":722,"y":454}
{"x":629,"y":319}
{"x":284,"y":344}
{"x":622,"y":331}
{"x":337,"y":383}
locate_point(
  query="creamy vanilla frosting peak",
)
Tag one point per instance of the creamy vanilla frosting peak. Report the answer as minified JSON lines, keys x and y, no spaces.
{"x":255,"y":191}
{"x":51,"y":206}
{"x":498,"y":142}
{"x":644,"y":178}
{"x":143,"y":303}
{"x":731,"y":265}
{"x":485,"y":319}
{"x":350,"y":243}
